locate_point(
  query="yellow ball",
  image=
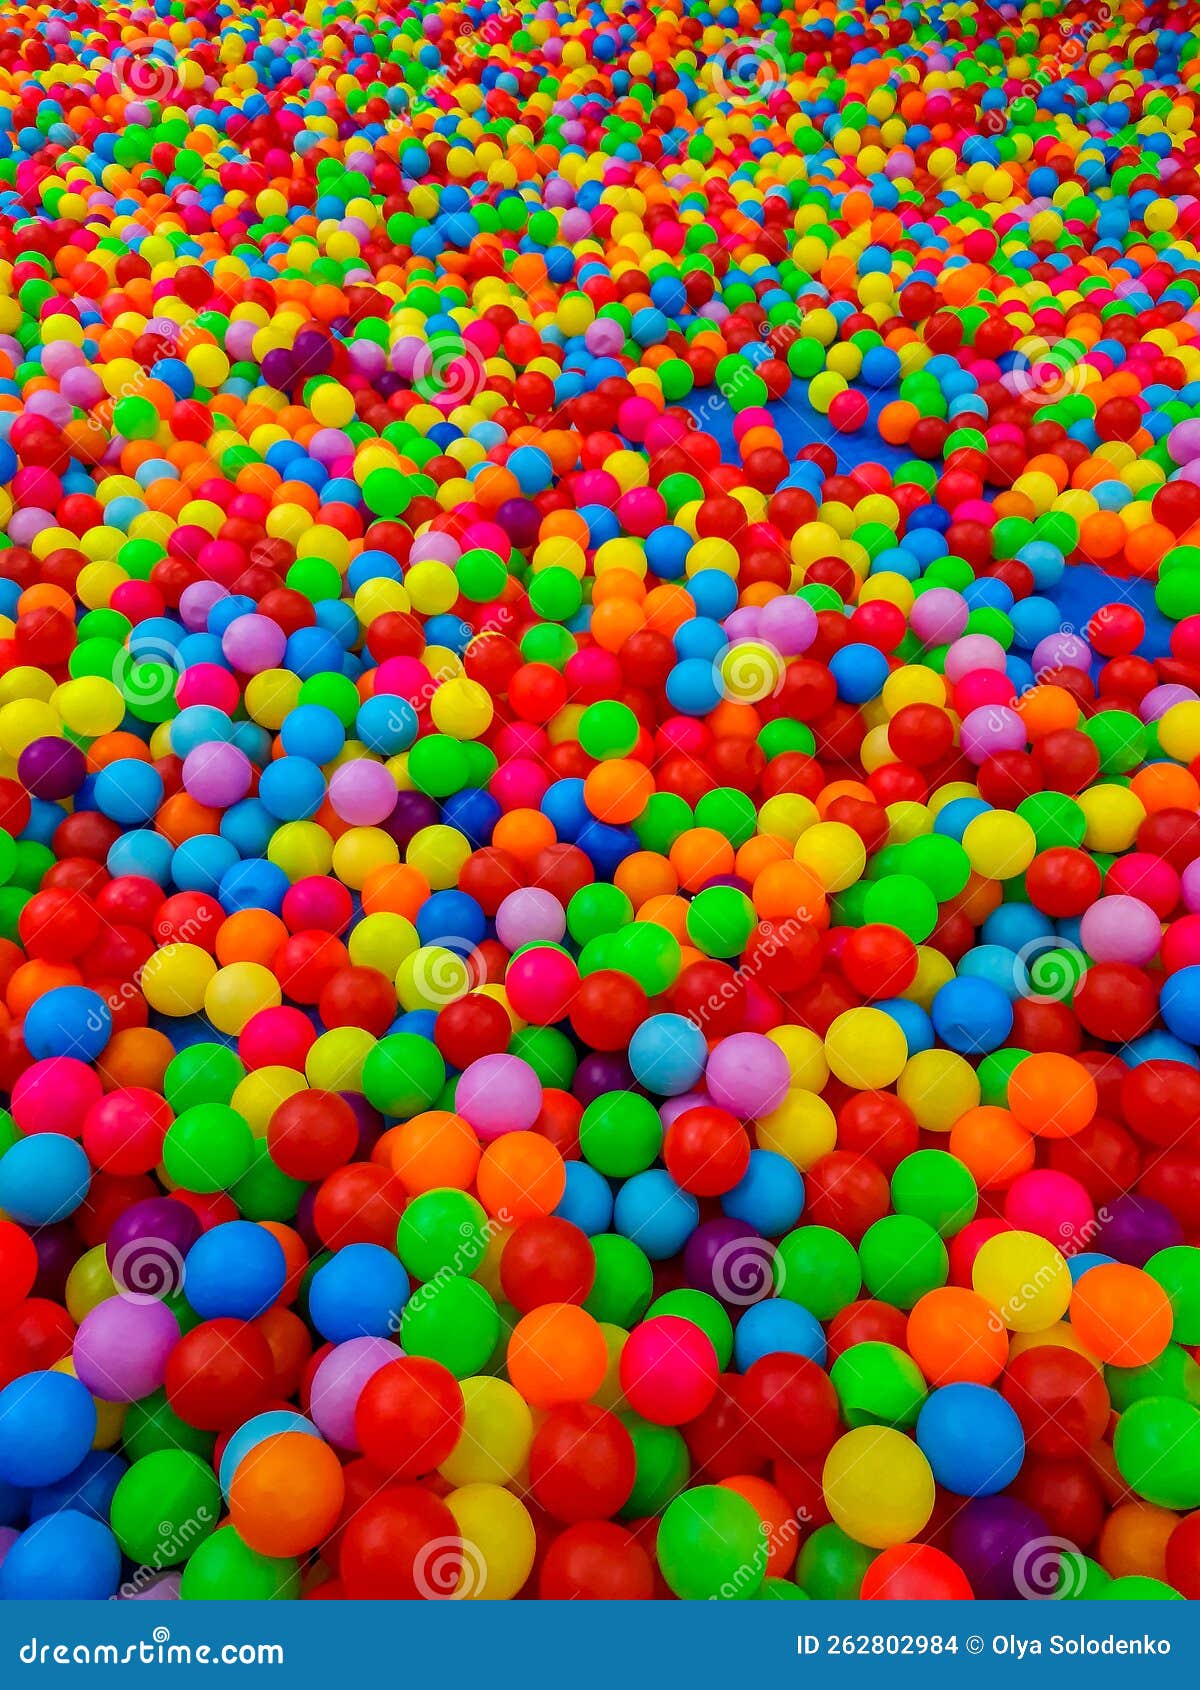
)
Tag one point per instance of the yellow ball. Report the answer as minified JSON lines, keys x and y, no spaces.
{"x":89,"y":1283}
{"x":938,"y":1086}
{"x":803,"y":1128}
{"x":878,"y":1486}
{"x":1025,"y":1278}
{"x":237,"y":992}
{"x":1000,"y":845}
{"x":461,"y":708}
{"x":175,"y":979}
{"x":301,"y":849}
{"x":438,"y":852}
{"x":787,"y":816}
{"x":834,"y":853}
{"x":866,"y":1048}
{"x":432,"y":977}
{"x":1179,"y":731}
{"x":493,"y":1445}
{"x":361,"y":850}
{"x":335,"y":1060}
{"x":382,"y":941}
{"x":805,"y":1051}
{"x":90,"y":706}
{"x":259,"y":1095}
{"x":1113,"y":815}
{"x":498,"y":1545}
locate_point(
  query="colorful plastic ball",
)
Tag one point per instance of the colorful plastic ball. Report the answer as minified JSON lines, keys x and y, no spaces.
{"x":359,"y":1292}
{"x":915,"y":1572}
{"x":668,"y":1371}
{"x":878,"y":1486}
{"x":47,"y":1423}
{"x":409,"y":1416}
{"x":971,"y":1438}
{"x":121,"y":1348}
{"x":711,"y":1545}
{"x":66,"y":1555}
{"x":338,"y":1383}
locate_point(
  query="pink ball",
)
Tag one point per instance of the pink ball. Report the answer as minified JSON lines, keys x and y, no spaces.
{"x":990,"y":730}
{"x":338,"y":1384}
{"x":253,"y":643}
{"x":668,"y":1370}
{"x":362,"y":793}
{"x":121,"y":1348}
{"x":520,"y":785}
{"x":279,"y":1037}
{"x":939,"y":616}
{"x":1121,"y":929}
{"x":1054,"y":1206}
{"x":499,"y":1094}
{"x":208,"y":683}
{"x":54,"y":1095}
{"x":747,"y":1074}
{"x":973,"y":651}
{"x":789,"y":624}
{"x":1145,"y":877}
{"x":541,"y":984}
{"x":530,"y":914}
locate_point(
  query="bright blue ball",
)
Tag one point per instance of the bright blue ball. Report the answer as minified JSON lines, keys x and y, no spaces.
{"x":769,"y":1196}
{"x":1179,"y":1004}
{"x":68,"y":1556}
{"x":587,"y":1199}
{"x":777,"y":1327}
{"x":860,"y":671}
{"x":68,"y":1021}
{"x":236,"y":1269}
{"x":972,"y":1016}
{"x":292,"y":789}
{"x":128,"y":791}
{"x":656,"y":1213}
{"x":667,"y":1054}
{"x":971,"y":1438}
{"x":359,"y":1293}
{"x":43,"y":1178}
{"x":47,"y":1423}
{"x":88,"y":1490}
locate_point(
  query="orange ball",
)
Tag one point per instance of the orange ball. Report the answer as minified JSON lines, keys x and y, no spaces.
{"x":1052,"y":1095}
{"x":433,"y":1151}
{"x":780,"y":1526}
{"x":956,"y":1336}
{"x":520,"y":1175}
{"x":249,"y":936}
{"x":137,"y":1056}
{"x":395,"y":889}
{"x":699,"y":855}
{"x":1133,"y":1541}
{"x":993,"y":1145}
{"x":1121,"y":1315}
{"x":286,"y":1494}
{"x":557,"y":1355}
{"x":618,"y":791}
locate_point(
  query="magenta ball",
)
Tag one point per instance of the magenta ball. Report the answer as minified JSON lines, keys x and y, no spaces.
{"x":1055,"y":1206}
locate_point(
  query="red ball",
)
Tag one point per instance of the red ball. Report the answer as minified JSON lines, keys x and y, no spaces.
{"x":582,"y":1463}
{"x":794,"y":1405}
{"x":409,"y":1416}
{"x":879,"y":961}
{"x":219,"y":1374}
{"x":608,"y":1009}
{"x":1060,"y":1399}
{"x":547,"y":1260}
{"x":915,"y":1572}
{"x":596,"y":1561}
{"x":312,"y":1134}
{"x":403,"y":1544}
{"x":706,"y":1150}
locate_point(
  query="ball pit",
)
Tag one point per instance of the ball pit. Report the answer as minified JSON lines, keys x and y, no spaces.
{"x":600,"y":801}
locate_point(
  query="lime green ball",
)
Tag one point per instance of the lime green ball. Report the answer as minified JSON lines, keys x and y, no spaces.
{"x":818,"y":1268}
{"x":442,"y":1232}
{"x":902,"y":1258}
{"x":720,"y":920}
{"x":711,"y":1545}
{"x":936,"y":1187}
{"x":832,"y":1566}
{"x":163,"y":1506}
{"x":151,"y":1424}
{"x":1177,"y":1270}
{"x":608,"y":729}
{"x":224,"y":1568}
{"x":402,"y":1075}
{"x":208,"y":1147}
{"x":662,"y":1466}
{"x":620,"y":1133}
{"x":454,"y":1321}
{"x":878,"y":1385}
{"x":203,"y":1073}
{"x":1157,"y":1449}
{"x":624,"y":1282}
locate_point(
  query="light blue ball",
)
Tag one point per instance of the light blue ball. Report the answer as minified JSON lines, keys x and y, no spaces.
{"x":777,"y":1326}
{"x":667,"y":1054}
{"x":769,"y":1196}
{"x":656,"y":1213}
{"x":43,"y":1178}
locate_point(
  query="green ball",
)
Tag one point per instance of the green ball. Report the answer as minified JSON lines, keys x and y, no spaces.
{"x":442,"y":1232}
{"x":665,"y":817}
{"x":832,"y":1566}
{"x":1177,"y":1270}
{"x":649,"y":953}
{"x":608,"y":729}
{"x":937,"y":1188}
{"x":402,"y":1075}
{"x":624,"y":1282}
{"x":454,"y":1321}
{"x":208,"y":1147}
{"x":1157,"y":1448}
{"x":596,"y":910}
{"x":720,"y":920}
{"x":549,"y":1052}
{"x":1080,"y":1579}
{"x":902,"y":1258}
{"x":265,"y":1192}
{"x":224,"y":1568}
{"x":1132,"y":1588}
{"x":152,"y":1424}
{"x":620,"y":1134}
{"x":1171,"y":1374}
{"x":662,"y":1466}
{"x":203,"y":1073}
{"x":994,"y":1074}
{"x":438,"y":766}
{"x":903,"y":901}
{"x":780,"y":1590}
{"x":939,"y":862}
{"x":878,"y":1385}
{"x":702,"y":1311}
{"x":818,"y":1268}
{"x":729,"y":812}
{"x":711,"y":1545}
{"x":164,"y":1505}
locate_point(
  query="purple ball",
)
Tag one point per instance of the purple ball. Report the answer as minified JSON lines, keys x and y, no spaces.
{"x":730,"y":1261}
{"x":338,"y":1384}
{"x":602,"y":1071}
{"x":278,"y":369}
{"x":1136,"y":1228}
{"x":217,"y":774}
{"x":1005,"y":1550}
{"x":57,"y":1251}
{"x":253,"y":643}
{"x":121,"y":1348}
{"x":146,"y":1247}
{"x":748,"y":1075}
{"x":413,"y":811}
{"x":51,"y":768}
